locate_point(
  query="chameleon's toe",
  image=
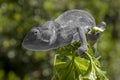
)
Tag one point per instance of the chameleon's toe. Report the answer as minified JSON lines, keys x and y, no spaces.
{"x":81,"y":50}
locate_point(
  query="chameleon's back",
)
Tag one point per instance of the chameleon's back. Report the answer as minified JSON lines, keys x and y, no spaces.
{"x":74,"y":15}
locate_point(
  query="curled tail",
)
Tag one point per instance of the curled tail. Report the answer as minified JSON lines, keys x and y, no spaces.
{"x":93,"y":37}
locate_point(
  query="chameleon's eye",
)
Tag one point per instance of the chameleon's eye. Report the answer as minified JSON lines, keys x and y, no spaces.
{"x":35,"y":31}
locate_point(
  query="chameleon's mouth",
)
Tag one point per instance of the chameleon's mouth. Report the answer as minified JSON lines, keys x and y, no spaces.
{"x":31,"y":42}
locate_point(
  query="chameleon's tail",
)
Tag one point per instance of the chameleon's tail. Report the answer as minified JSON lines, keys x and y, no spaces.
{"x":102,"y":25}
{"x":96,"y":33}
{"x":99,"y":29}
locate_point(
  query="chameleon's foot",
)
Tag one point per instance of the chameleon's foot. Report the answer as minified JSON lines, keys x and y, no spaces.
{"x":81,"y":50}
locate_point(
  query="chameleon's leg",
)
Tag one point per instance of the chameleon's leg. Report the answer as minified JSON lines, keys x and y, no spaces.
{"x":75,"y":37}
{"x":82,"y":36}
{"x":92,"y":38}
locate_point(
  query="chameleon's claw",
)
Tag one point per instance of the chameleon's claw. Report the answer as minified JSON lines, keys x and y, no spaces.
{"x":82,"y":49}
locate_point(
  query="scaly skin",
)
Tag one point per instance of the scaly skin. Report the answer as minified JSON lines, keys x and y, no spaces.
{"x":68,"y":28}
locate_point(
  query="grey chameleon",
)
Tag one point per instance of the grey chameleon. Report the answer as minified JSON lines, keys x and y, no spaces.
{"x":71,"y":26}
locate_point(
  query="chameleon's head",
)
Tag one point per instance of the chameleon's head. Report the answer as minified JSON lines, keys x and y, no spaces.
{"x":40,"y":38}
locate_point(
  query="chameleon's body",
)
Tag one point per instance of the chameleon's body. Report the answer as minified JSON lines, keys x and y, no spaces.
{"x":69,"y":27}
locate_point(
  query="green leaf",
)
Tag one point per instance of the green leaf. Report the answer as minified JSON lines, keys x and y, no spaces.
{"x":76,"y":68}
{"x":94,"y":72}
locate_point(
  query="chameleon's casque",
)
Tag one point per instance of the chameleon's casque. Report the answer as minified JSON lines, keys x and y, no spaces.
{"x":71,"y":26}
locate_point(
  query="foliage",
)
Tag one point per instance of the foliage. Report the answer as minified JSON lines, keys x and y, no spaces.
{"x":17,"y":17}
{"x":72,"y":67}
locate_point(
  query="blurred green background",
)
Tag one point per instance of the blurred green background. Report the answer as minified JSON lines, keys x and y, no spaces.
{"x":17,"y":17}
